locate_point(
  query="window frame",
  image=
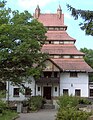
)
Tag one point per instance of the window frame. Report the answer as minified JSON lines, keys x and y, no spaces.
{"x":91,"y":93}
{"x":73,"y":74}
{"x":38,"y":88}
{"x":27,"y":91}
{"x":78,"y":92}
{"x":65,"y":91}
{"x":16,"y":92}
{"x":56,"y":89}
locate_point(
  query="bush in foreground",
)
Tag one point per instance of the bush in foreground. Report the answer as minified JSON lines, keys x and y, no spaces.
{"x":8,"y":115}
{"x":72,"y":114}
{"x":35,"y":103}
{"x":68,"y":109}
{"x":67,"y":101}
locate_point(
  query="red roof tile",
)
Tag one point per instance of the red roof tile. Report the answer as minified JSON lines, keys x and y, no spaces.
{"x":58,"y":35}
{"x":73,"y":65}
{"x":67,"y":49}
{"x":51,"y":20}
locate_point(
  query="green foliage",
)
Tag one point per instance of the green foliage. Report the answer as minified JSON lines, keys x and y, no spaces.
{"x":21,"y":39}
{"x":2,"y":94}
{"x":68,"y":108}
{"x":88,"y":58}
{"x":86,"y":15}
{"x":67,"y":101}
{"x":8,"y":115}
{"x":88,"y":55}
{"x":3,"y":104}
{"x":35,"y":103}
{"x":72,"y":114}
{"x":84,"y":101}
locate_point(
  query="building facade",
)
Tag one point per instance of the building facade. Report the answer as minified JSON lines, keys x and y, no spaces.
{"x":66,"y":71}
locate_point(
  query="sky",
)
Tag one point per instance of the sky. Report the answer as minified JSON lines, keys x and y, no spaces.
{"x":50,"y":6}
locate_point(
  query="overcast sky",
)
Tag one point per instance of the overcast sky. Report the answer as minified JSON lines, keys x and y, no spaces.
{"x":50,"y":6}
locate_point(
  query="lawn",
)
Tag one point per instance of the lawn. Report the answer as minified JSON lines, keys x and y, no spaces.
{"x":8,"y":115}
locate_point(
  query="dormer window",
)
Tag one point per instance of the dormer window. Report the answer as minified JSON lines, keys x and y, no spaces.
{"x":71,"y":56}
{"x":73,"y":74}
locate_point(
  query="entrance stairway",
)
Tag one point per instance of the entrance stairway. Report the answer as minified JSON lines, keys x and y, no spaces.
{"x":49,"y":105}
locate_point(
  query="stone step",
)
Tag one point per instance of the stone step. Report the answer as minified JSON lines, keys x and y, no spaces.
{"x":49,"y":106}
{"x":49,"y":101}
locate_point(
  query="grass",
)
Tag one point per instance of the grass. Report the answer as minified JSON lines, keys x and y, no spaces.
{"x":8,"y":115}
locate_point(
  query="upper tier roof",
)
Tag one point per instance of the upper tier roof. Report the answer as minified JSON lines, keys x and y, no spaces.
{"x":66,"y":49}
{"x":73,"y":65}
{"x":58,"y":35}
{"x":51,"y":20}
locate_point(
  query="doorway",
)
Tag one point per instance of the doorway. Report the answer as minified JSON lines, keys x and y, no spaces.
{"x":47,"y":92}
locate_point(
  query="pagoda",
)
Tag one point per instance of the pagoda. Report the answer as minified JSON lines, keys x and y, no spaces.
{"x":66,"y":71}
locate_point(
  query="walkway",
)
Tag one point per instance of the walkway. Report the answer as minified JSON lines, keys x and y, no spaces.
{"x":40,"y":115}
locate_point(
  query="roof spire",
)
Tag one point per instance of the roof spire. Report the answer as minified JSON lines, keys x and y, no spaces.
{"x":59,"y":11}
{"x":37,"y":12}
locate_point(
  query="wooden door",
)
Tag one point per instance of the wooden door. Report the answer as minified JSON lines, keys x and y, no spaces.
{"x":47,"y":92}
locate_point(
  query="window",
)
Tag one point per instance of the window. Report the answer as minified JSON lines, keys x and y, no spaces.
{"x":16,"y":92}
{"x":27,"y":91}
{"x":38,"y":89}
{"x":55,"y":89}
{"x":77,"y":92}
{"x":91,"y":92}
{"x":49,"y":42}
{"x":71,"y":56}
{"x":65,"y":91}
{"x":47,"y":74}
{"x":73,"y":74}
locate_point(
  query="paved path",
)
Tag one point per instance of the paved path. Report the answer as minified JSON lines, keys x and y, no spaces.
{"x":40,"y":115}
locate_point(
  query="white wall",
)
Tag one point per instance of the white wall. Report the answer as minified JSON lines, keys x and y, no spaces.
{"x":66,"y":82}
{"x":72,"y":83}
{"x":38,"y":92}
{"x":55,"y":93}
{"x":21,"y":96}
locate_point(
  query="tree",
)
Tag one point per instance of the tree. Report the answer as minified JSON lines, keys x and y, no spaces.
{"x":86,"y":15}
{"x":21,"y":39}
{"x":88,"y":58}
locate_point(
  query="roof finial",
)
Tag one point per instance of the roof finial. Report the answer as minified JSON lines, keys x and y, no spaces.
{"x":37,"y":12}
{"x":59,"y":11}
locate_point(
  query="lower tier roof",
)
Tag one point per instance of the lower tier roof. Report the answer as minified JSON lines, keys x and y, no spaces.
{"x":78,"y":65}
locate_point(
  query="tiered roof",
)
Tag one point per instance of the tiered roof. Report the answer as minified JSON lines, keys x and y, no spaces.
{"x":57,"y":33}
{"x":67,"y":49}
{"x":51,"y":20}
{"x":74,"y":65}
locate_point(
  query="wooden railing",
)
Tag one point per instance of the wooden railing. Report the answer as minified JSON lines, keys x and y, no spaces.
{"x":48,"y":80}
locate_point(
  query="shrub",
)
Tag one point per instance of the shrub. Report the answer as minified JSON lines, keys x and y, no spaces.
{"x":3,"y":105}
{"x":68,"y":108}
{"x":25,"y":103}
{"x":67,"y":101}
{"x":84,"y":101}
{"x":71,"y":114}
{"x":35,"y":102}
